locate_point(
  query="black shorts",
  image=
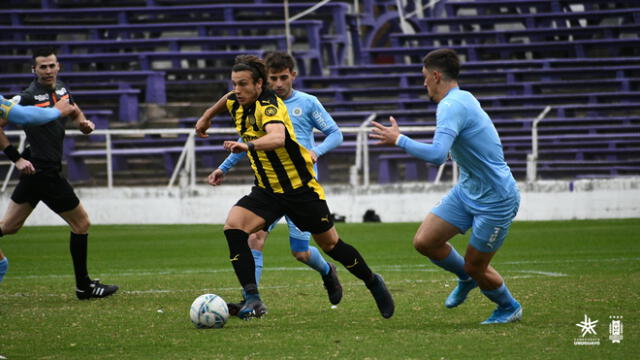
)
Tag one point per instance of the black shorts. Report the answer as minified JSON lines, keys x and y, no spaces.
{"x":50,"y":187}
{"x":303,"y":206}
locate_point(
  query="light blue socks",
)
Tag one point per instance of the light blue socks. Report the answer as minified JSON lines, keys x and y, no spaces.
{"x":453,"y":263}
{"x":501,"y":296}
{"x":4,"y":266}
{"x":317,"y":262}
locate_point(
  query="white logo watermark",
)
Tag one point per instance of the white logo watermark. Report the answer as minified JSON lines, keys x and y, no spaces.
{"x":588,"y":327}
{"x":615,"y":329}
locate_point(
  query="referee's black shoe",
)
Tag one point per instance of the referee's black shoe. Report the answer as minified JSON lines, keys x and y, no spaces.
{"x":96,"y":290}
{"x":382,"y":296}
{"x":332,"y":284}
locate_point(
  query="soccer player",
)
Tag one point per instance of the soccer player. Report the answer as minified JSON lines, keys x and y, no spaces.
{"x":46,"y":183}
{"x":486,"y":199}
{"x":306,"y":114}
{"x":285,"y":185}
{"x":27,"y":115}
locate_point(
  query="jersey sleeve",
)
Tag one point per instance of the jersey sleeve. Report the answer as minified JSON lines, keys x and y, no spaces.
{"x":24,"y":98}
{"x":272,"y":114}
{"x":325,"y":123}
{"x":450,"y":115}
{"x":31,"y":115}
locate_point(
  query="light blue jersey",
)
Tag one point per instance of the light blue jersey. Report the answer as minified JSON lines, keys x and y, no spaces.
{"x":485,"y":177}
{"x":486,"y":197}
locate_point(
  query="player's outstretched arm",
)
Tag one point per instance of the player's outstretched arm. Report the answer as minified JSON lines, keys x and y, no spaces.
{"x":435,"y":153}
{"x":204,"y":122}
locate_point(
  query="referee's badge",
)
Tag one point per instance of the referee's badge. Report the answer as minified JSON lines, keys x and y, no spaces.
{"x":270,"y":110}
{"x":297,"y":111}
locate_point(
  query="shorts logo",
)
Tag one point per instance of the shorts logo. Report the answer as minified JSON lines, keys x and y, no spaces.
{"x":324,"y":219}
{"x":355,"y":262}
{"x":494,"y":236}
{"x":271,"y":110}
{"x":235,"y":258}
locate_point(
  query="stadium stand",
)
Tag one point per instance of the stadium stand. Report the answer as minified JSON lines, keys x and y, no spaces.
{"x":159,"y":63}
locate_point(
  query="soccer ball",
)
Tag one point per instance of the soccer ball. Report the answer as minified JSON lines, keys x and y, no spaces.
{"x":209,"y":311}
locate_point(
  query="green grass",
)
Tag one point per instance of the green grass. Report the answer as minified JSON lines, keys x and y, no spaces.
{"x":558,"y":270}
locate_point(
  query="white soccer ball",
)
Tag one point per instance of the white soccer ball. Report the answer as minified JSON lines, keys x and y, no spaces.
{"x":209,"y":311}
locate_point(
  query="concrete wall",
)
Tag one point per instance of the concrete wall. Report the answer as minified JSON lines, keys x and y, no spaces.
{"x":409,"y":202}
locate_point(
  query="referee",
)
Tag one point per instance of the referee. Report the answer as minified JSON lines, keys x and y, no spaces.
{"x":41,"y":179}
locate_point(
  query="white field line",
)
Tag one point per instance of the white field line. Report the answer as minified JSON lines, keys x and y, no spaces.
{"x":398,"y":268}
{"x":415,"y":267}
{"x":297,"y":286}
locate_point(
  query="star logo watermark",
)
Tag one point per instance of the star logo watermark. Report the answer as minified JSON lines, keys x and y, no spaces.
{"x":588,"y":326}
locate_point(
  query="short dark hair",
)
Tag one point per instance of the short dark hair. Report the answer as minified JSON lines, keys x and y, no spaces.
{"x":279,"y":61}
{"x":253,"y":64}
{"x":43,"y":52}
{"x":444,"y":60}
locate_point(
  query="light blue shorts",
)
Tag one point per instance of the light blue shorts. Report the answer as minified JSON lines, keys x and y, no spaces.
{"x":298,"y":239}
{"x":489,"y":223}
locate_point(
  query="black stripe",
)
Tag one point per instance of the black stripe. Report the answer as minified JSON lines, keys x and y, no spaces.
{"x":281,"y":173}
{"x":261,"y":172}
{"x":234,"y":109}
{"x":293,"y":149}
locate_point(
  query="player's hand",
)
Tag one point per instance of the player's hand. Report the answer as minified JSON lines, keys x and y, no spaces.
{"x":314,"y":156}
{"x":65,"y":107}
{"x":86,"y":126}
{"x":216,"y":177}
{"x":386,"y":135}
{"x":25,"y":166}
{"x":202,"y":125}
{"x":235,"y":146}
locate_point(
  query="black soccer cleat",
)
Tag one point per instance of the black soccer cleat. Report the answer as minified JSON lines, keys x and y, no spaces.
{"x":382,"y":296}
{"x":96,"y":290}
{"x":332,"y":284}
{"x":234,"y":308}
{"x":253,"y":307}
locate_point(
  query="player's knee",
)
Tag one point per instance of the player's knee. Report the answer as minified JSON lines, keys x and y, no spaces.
{"x":81,"y":226}
{"x":8,"y":229}
{"x":302,"y":256}
{"x":421,"y":245}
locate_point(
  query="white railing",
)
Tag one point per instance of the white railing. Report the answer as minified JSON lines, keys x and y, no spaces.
{"x":532,"y":158}
{"x":186,"y":164}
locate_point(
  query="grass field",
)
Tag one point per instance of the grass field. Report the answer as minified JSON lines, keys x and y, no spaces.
{"x":559,"y":271}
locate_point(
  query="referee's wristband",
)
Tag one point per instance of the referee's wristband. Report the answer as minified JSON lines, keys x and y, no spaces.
{"x":251,"y":146}
{"x":12,"y":153}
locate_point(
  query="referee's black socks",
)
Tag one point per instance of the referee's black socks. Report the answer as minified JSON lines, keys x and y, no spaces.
{"x":78,"y":248}
{"x":348,"y":256}
{"x":242,"y":259}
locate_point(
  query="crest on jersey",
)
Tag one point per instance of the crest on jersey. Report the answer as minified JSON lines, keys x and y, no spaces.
{"x":297,"y":111}
{"x":271,"y":110}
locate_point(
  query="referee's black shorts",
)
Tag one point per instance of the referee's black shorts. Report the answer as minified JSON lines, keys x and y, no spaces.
{"x":48,"y":186}
{"x":303,"y":206}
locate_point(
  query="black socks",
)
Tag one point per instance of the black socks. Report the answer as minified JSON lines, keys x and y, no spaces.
{"x":348,"y":256}
{"x":242,"y":259}
{"x":78,"y":248}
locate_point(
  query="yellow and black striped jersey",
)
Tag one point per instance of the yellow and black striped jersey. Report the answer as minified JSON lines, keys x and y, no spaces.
{"x":281,"y":170}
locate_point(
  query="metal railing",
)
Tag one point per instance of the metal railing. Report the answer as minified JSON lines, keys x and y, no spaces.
{"x":532,"y":158}
{"x":186,"y":164}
